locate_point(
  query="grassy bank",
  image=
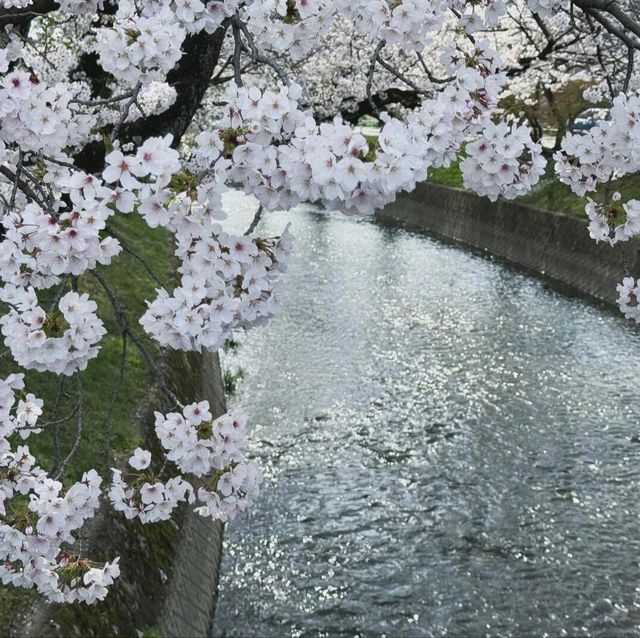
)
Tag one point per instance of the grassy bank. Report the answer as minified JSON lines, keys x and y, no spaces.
{"x":548,"y":194}
{"x":112,"y":404}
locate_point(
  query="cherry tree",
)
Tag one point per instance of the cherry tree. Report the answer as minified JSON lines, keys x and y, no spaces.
{"x":155,"y":109}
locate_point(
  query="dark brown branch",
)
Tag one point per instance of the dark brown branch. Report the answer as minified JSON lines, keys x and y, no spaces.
{"x":256,"y":219}
{"x":22,"y":185}
{"x":352,"y":112}
{"x":21,"y":16}
{"x":190,"y":78}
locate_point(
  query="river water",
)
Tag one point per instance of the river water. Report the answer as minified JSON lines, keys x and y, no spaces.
{"x":450,"y":447}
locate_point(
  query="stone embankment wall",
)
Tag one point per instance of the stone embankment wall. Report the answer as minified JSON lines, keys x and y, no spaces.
{"x":555,"y":245}
{"x":169,"y":580}
{"x":193,"y":589}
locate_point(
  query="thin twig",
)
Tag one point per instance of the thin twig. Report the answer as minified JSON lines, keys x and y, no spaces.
{"x":237,"y":52}
{"x":111,"y":100}
{"x":137,"y":257}
{"x":371,"y":73}
{"x":16,"y":181}
{"x":53,"y":160}
{"x":261,"y":57}
{"x":125,"y":111}
{"x":48,"y":197}
{"x":57,"y":421}
{"x":114,"y":397}
{"x":399,"y":75}
{"x":80,"y":424}
{"x":24,"y":187}
{"x":630,"y":61}
{"x":430,"y":75}
{"x":256,"y":220}
{"x":122,"y":319}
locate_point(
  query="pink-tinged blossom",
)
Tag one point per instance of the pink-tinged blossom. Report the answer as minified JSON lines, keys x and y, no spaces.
{"x":140,"y":460}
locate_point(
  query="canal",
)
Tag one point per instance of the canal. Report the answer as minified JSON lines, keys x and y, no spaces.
{"x":450,"y":447}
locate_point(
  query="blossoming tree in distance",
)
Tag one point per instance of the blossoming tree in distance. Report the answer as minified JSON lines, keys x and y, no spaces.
{"x":155,"y":108}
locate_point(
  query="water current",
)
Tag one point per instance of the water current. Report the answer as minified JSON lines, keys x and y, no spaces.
{"x":450,"y":447}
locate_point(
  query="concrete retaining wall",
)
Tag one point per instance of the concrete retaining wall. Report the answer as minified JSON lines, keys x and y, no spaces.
{"x":169,"y":580}
{"x":190,"y":603}
{"x":555,"y":245}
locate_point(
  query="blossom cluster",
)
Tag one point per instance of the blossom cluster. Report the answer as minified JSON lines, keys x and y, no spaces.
{"x":503,"y":161}
{"x":603,"y":218}
{"x":228,"y":282}
{"x":211,"y":451}
{"x":140,"y":46}
{"x":291,"y":26}
{"x":39,"y":117}
{"x":39,"y":517}
{"x":629,"y":298}
{"x":475,"y":16}
{"x":202,"y":446}
{"x":608,"y":150}
{"x":144,"y":43}
{"x":280,"y":154}
{"x":62,"y":341}
{"x":17,"y":415}
{"x":196,"y":443}
{"x":407,"y":23}
{"x":39,"y":247}
{"x":146,"y":498}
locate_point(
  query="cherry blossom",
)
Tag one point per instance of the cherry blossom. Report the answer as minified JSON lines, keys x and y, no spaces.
{"x":61,"y":341}
{"x":503,"y":161}
{"x":34,"y":537}
{"x":98,"y":121}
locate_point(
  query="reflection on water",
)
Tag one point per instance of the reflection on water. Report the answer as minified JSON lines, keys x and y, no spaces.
{"x":450,"y":447}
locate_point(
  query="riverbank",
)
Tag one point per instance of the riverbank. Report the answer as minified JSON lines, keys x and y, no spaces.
{"x":170,"y":570}
{"x":551,"y":244}
{"x":169,"y":574}
{"x":548,"y":194}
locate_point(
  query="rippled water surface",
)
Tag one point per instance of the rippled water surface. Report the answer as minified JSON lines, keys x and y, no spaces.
{"x":450,"y":447}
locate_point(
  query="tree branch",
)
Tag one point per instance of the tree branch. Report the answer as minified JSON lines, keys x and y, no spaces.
{"x":19,"y":16}
{"x":190,"y":77}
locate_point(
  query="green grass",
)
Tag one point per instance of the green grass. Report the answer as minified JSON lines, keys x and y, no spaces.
{"x":447,"y":175}
{"x":133,"y":285}
{"x":548,"y":194}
